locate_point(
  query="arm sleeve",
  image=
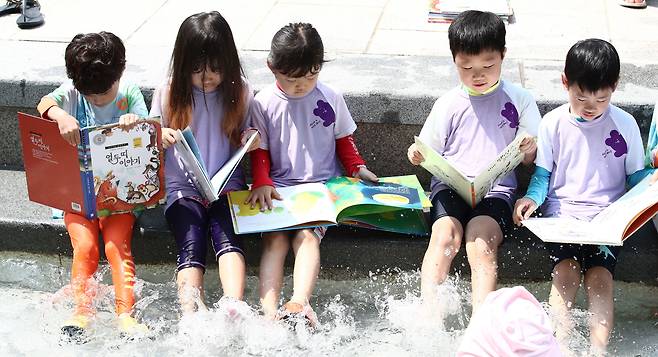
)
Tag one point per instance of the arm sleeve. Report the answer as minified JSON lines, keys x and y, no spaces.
{"x":256,"y":120}
{"x":650,"y":159}
{"x":349,"y":155}
{"x":63,"y":97}
{"x":538,"y":187}
{"x":260,"y":168}
{"x":345,"y":124}
{"x":529,"y":116}
{"x":435,"y":130}
{"x":639,"y":175}
{"x":136,"y":104}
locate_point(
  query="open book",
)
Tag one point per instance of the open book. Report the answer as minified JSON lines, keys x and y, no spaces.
{"x":472,"y":190}
{"x":111,"y":171}
{"x":393,"y":204}
{"x":448,"y":10}
{"x":610,"y":227}
{"x":189,"y":152}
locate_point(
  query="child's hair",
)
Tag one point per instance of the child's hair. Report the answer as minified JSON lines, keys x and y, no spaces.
{"x":592,"y":64}
{"x":205,"y":39}
{"x":474,"y":31}
{"x":94,"y":61}
{"x":296,"y":50}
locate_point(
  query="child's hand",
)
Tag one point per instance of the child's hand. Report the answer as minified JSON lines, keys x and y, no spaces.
{"x":365,"y":174}
{"x":263,"y":196}
{"x":128,"y":121}
{"x":245,"y":136}
{"x":168,"y":138}
{"x":523,"y":209}
{"x":528,"y":147}
{"x":414,"y":155}
{"x":69,"y":129}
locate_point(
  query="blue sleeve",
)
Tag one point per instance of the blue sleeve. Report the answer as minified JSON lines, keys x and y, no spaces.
{"x":634,"y":178}
{"x":538,"y":187}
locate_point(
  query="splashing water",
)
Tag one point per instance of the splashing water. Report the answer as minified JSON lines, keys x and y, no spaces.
{"x":379,"y":315}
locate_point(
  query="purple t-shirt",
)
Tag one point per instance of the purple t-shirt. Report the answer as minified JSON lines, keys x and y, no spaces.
{"x":471,"y":131}
{"x":300,"y":133}
{"x":214,"y":145}
{"x":588,"y":161}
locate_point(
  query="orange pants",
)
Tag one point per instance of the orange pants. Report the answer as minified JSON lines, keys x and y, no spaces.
{"x":117,"y":234}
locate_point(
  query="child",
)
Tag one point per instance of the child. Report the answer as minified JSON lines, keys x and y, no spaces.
{"x":470,"y":125}
{"x":305,"y":127}
{"x":588,"y":149}
{"x":207,"y":92}
{"x":96,"y":96}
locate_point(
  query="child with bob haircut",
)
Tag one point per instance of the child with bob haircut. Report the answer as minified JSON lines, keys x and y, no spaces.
{"x":207,"y":92}
{"x":470,"y":125}
{"x":306,"y":128}
{"x":97,"y":96}
{"x":588,"y":151}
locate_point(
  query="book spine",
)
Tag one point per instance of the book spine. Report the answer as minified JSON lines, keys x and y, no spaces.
{"x":87,"y":175}
{"x":473,"y":203}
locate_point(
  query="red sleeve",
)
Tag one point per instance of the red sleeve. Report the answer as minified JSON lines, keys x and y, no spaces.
{"x":348,"y":155}
{"x":260,"y":168}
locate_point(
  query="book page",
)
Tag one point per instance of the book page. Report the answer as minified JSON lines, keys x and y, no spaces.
{"x":441,"y":168}
{"x":505,"y":163}
{"x":304,"y":205}
{"x":224,"y":174}
{"x":194,"y":167}
{"x":568,"y":230}
{"x":126,"y":167}
{"x":498,"y":7}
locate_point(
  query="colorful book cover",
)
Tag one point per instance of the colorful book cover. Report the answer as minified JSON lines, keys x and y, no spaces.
{"x":394,"y":204}
{"x":111,"y":171}
{"x":612,"y":226}
{"x":472,"y":190}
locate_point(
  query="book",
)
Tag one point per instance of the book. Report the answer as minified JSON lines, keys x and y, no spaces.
{"x":445,"y":11}
{"x":612,"y":226}
{"x":209,"y":187}
{"x":111,"y":171}
{"x":394,"y":204}
{"x":472,"y":190}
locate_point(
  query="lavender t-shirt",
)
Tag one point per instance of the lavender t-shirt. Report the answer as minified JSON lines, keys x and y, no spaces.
{"x":470,"y":131}
{"x":300,"y":133}
{"x":214,"y":145}
{"x":588,"y":161}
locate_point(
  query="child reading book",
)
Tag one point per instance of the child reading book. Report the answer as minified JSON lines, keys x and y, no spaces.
{"x":588,"y":151}
{"x":95,"y":96}
{"x":207,"y":92}
{"x":305,"y":127}
{"x":469,"y":126}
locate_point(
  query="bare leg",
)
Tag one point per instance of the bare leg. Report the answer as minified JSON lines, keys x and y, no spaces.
{"x":306,"y":247}
{"x":483,"y":236}
{"x":190,"y":289}
{"x":566,"y":280}
{"x":275,"y":249}
{"x":444,"y":245}
{"x":232,"y":274}
{"x":599,"y":285}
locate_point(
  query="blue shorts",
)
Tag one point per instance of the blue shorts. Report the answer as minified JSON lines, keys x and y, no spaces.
{"x":447,"y":203}
{"x":191,"y":223}
{"x":587,"y":255}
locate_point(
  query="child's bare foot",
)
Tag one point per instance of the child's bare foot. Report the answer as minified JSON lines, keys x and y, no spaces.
{"x":293,"y":313}
{"x":639,"y":4}
{"x":130,"y":327}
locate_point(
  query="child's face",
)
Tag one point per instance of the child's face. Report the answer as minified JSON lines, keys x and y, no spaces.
{"x":585,"y":104}
{"x":206,"y":79}
{"x":481,"y":71}
{"x":103,"y":99}
{"x":296,"y":86}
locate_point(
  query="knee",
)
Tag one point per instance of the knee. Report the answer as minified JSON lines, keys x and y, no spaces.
{"x":598,"y":280}
{"x":567,"y":273}
{"x":116,"y":250}
{"x":276,"y":244}
{"x":445,"y":238}
{"x":87,"y":248}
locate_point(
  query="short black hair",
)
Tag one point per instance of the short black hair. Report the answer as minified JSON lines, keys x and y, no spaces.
{"x":475,"y":31}
{"x":592,"y":64}
{"x":296,"y":50}
{"x":94,"y":61}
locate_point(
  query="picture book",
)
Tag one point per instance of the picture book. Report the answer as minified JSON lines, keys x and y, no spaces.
{"x":393,"y":204}
{"x":610,"y":227}
{"x":190,"y":155}
{"x":111,"y":171}
{"x":472,"y":190}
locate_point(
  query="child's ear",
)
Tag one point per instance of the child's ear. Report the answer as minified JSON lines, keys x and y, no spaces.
{"x":614,"y":86}
{"x":269,"y":65}
{"x":565,"y":82}
{"x":502,"y":54}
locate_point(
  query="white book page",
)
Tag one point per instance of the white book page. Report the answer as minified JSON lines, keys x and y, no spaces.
{"x":194,"y":168}
{"x":568,"y":230}
{"x":224,"y":174}
{"x":438,"y":166}
{"x":498,"y":7}
{"x":622,"y":212}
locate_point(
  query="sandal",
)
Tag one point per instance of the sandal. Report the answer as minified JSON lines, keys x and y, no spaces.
{"x":11,"y":7}
{"x":31,"y":16}
{"x":635,"y":5}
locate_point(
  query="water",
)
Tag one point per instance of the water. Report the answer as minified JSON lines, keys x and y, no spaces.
{"x":378,"y":315}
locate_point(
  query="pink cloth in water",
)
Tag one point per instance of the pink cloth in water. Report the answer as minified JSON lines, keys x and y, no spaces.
{"x":510,"y":322}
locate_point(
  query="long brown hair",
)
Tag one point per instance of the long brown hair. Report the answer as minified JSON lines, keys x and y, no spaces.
{"x":206,"y":39}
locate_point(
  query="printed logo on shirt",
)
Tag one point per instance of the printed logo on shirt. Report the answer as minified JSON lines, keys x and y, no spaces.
{"x":617,"y":143}
{"x":325,"y":112}
{"x":510,"y":113}
{"x":122,"y":104}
